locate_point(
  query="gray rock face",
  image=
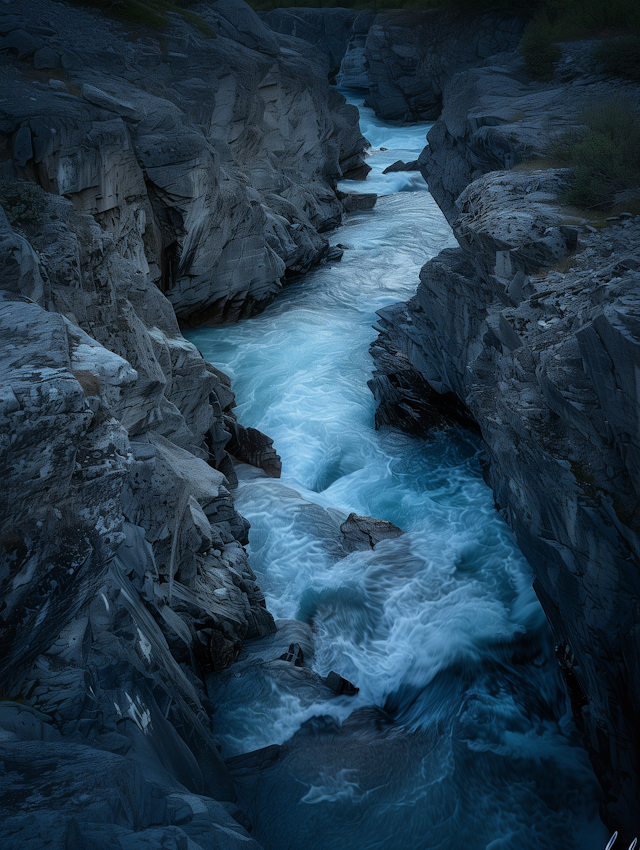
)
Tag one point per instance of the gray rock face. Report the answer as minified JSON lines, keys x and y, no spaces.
{"x":123,"y":576}
{"x":412,"y":55}
{"x":531,"y":325}
{"x":204,"y":168}
{"x":330,"y":30}
{"x":363,"y":532}
{"x":211,"y":162}
{"x":494,"y":118}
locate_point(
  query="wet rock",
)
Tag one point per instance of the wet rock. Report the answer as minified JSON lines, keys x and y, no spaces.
{"x":360,"y":172}
{"x":278,"y":666}
{"x":334,"y":254}
{"x":363,"y":532}
{"x":358,"y":201}
{"x":251,"y":446}
{"x":294,"y":655}
{"x":400,"y":165}
{"x":340,"y":686}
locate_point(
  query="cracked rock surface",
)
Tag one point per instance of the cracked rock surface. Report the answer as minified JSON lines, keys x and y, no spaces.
{"x":180,"y":175}
{"x":212,"y":162}
{"x":531,"y":327}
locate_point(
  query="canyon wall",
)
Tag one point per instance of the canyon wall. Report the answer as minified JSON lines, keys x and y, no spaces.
{"x":531,"y":327}
{"x":142,"y":176}
{"x":404,"y":57}
{"x":210,"y":161}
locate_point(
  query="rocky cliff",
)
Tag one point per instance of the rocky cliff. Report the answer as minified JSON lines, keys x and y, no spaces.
{"x":210,"y":161}
{"x":405,"y":58}
{"x":532,"y":329}
{"x":135,"y":165}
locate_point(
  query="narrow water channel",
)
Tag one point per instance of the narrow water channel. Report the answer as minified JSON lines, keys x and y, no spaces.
{"x":460,"y":735}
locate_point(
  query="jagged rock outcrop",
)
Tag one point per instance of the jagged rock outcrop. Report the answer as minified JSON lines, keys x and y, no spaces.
{"x":532,"y":325}
{"x":412,"y":55}
{"x":495,"y":118}
{"x":204,"y":168}
{"x":363,"y":532}
{"x":330,"y":30}
{"x":211,"y":161}
{"x":123,"y":577}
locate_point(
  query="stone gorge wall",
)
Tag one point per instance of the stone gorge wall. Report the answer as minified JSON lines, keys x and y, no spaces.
{"x":533,"y":323}
{"x":412,"y":55}
{"x":204,"y":168}
{"x":329,"y":30}
{"x":404,"y":58}
{"x":211,"y":162}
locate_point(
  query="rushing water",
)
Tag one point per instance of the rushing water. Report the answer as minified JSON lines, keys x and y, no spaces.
{"x":460,"y":736}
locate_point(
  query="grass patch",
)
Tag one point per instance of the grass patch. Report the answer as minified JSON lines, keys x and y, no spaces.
{"x":539,"y":52}
{"x":563,"y":266}
{"x":603,"y":155}
{"x":152,"y":13}
{"x":620,"y":56}
{"x":23,"y":202}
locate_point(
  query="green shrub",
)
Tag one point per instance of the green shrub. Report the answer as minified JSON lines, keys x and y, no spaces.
{"x":153,"y":13}
{"x":23,"y":202}
{"x":603,"y":154}
{"x":620,"y":56}
{"x":539,"y":52}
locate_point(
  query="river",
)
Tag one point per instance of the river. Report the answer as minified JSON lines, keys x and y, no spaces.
{"x":461,"y":734}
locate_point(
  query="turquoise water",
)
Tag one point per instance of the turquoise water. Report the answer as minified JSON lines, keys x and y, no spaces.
{"x":460,"y":735}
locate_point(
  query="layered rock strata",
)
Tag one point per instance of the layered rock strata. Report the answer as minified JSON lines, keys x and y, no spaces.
{"x":211,"y":162}
{"x":405,"y":58}
{"x":204,"y":169}
{"x":533,"y":325}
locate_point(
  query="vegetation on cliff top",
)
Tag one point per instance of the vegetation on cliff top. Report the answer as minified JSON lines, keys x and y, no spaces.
{"x":153,"y":13}
{"x":569,"y":18}
{"x":604,"y":156}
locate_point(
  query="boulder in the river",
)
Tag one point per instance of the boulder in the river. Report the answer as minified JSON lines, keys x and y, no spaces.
{"x":401,"y":165}
{"x":340,"y":686}
{"x":251,"y":446}
{"x":363,"y":532}
{"x":358,"y":201}
{"x":359,"y":172}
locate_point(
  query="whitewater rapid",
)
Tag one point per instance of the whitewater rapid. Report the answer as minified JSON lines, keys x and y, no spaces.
{"x":460,"y":735}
